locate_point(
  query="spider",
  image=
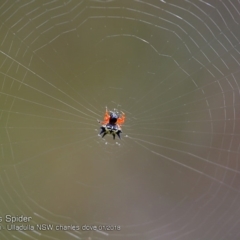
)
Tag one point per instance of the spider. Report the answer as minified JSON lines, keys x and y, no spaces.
{"x":111,"y":123}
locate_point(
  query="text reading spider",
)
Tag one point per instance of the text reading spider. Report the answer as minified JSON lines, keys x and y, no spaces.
{"x":112,"y":123}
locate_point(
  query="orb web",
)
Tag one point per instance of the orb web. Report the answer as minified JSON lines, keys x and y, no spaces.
{"x":172,"y":67}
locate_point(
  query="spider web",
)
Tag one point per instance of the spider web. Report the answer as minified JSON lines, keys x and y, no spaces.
{"x":172,"y":67}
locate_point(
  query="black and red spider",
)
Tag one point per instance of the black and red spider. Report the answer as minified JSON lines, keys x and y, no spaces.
{"x":112,"y":123}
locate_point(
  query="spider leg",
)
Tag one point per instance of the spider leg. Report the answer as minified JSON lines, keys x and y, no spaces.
{"x":118,"y":134}
{"x":104,"y":134}
{"x":102,"y":130}
{"x":113,"y":136}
